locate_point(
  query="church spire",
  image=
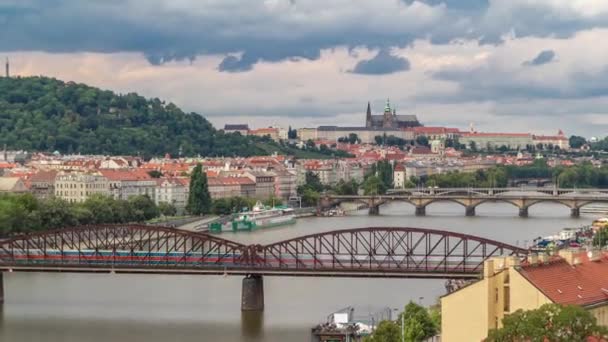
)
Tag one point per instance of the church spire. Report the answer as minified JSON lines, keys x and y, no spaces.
{"x":387,"y":108}
{"x":8,"y":74}
{"x":368,"y":116}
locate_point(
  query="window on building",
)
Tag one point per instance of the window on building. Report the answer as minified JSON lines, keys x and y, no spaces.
{"x":507,"y":300}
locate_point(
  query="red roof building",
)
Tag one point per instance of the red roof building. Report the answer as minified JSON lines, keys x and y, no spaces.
{"x":571,"y":279}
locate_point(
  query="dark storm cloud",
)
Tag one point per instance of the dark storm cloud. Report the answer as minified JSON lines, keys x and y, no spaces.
{"x":491,"y":84}
{"x":277,"y":30}
{"x":382,"y":63}
{"x":544,"y":57}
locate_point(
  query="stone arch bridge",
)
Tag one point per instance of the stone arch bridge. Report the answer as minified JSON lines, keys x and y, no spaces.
{"x":471,"y":198}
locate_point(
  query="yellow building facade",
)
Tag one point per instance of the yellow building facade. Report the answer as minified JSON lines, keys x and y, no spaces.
{"x":468,"y":314}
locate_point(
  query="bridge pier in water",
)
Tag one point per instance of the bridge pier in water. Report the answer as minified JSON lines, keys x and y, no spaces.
{"x":523,"y":212}
{"x":575,"y":212}
{"x":420,"y":211}
{"x":252,"y":293}
{"x":374,"y":210}
{"x":470,"y":211}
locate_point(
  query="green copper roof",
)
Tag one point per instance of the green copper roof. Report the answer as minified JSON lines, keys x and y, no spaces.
{"x":387,"y":108}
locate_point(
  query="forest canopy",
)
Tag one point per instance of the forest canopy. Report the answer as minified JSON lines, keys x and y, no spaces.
{"x":45,"y":114}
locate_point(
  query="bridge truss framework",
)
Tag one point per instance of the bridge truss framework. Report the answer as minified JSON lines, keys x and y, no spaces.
{"x":366,"y":252}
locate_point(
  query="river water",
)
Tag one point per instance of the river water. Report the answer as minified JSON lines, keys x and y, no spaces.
{"x":163,"y":308}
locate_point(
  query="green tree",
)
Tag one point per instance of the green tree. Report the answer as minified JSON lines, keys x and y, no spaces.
{"x":167,"y":209}
{"x":346,"y":188}
{"x":155,"y":174}
{"x":418,"y":323}
{"x":199,"y":199}
{"x":413,"y":331}
{"x":310,"y":197}
{"x":101,"y":207}
{"x":313,"y":181}
{"x":373,"y":185}
{"x":550,"y":322}
{"x":143,"y":208}
{"x":576,"y":141}
{"x":422,"y":140}
{"x":57,"y":213}
{"x":273,"y":201}
{"x":353,"y":138}
{"x":222,"y":206}
{"x":45,"y":114}
{"x":386,"y":331}
{"x":600,"y":239}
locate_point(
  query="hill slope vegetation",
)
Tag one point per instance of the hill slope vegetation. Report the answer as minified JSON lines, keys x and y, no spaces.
{"x":45,"y":114}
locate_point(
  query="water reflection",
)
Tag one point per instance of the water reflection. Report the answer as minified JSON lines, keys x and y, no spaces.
{"x":251,"y":325}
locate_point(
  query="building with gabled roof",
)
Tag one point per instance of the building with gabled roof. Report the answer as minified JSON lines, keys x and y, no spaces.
{"x":574,"y":277}
{"x":12,"y":184}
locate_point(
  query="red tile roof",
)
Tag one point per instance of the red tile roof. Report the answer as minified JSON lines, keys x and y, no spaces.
{"x":583,"y":284}
{"x":124,"y":175}
{"x":44,"y":176}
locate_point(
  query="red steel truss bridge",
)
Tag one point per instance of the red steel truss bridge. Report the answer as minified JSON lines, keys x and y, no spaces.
{"x":366,"y":252}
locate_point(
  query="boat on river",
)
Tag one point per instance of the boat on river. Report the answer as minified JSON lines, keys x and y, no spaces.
{"x":259,"y":217}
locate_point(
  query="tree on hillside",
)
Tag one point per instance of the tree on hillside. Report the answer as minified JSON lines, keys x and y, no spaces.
{"x":45,"y":114}
{"x":550,"y":322}
{"x":199,"y":199}
{"x":576,"y":141}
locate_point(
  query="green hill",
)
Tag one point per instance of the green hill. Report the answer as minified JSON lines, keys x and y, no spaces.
{"x":45,"y":114}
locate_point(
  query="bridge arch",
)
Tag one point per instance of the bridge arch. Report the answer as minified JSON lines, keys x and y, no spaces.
{"x":385,"y":250}
{"x":99,"y":245}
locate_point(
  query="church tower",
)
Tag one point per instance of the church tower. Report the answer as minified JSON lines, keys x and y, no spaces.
{"x":387,"y":120}
{"x":368,"y":116}
{"x":8,"y":74}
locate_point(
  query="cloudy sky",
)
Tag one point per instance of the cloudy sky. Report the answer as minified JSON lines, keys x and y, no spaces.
{"x":504,"y":65}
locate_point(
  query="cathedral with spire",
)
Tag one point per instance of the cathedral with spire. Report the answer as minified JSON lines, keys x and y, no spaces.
{"x":389,"y":119}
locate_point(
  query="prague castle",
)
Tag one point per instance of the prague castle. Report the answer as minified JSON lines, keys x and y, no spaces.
{"x":388,"y":123}
{"x":389,"y":119}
